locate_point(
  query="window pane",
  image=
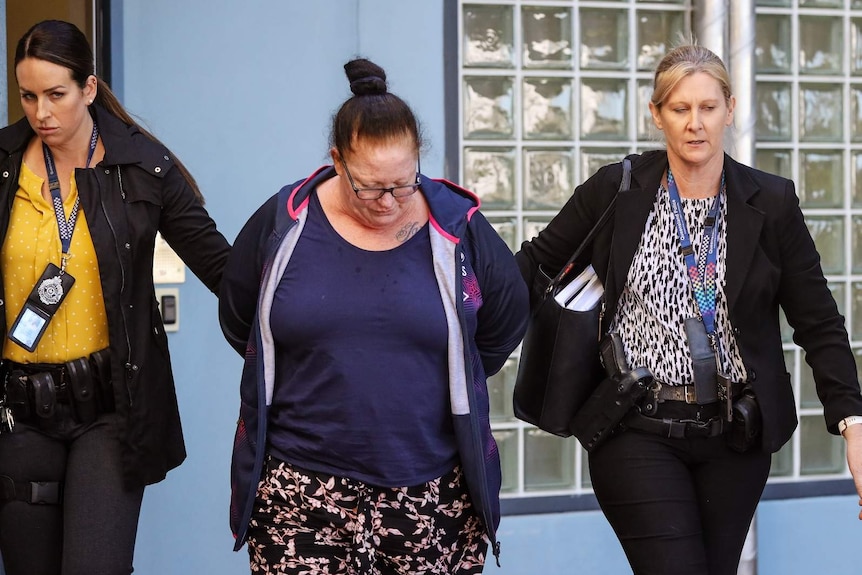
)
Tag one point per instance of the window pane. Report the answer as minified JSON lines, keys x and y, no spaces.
{"x":507,"y":444}
{"x":856,"y":112}
{"x":548,"y":177}
{"x":549,"y":461}
{"x":603,"y":109}
{"x":547,"y":111}
{"x":488,"y":107}
{"x":821,"y":110}
{"x":822,"y":452}
{"x":646,"y":127}
{"x":855,"y":327}
{"x":532,"y":226}
{"x":820,"y":45}
{"x":856,"y":46}
{"x":857,"y":244}
{"x":655,"y":30}
{"x":489,"y":38}
{"x":782,"y":461}
{"x":856,"y":177}
{"x":821,"y":3}
{"x":828,"y":234}
{"x":807,"y":391}
{"x":774,"y":120}
{"x":820,"y":180}
{"x":772,"y":38}
{"x":500,"y":388}
{"x":594,"y":158}
{"x":604,"y":38}
{"x":547,"y":37}
{"x":778,"y":162}
{"x":507,"y":228}
{"x":490,"y":174}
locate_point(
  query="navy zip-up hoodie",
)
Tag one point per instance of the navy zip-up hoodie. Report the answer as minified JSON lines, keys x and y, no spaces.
{"x":484,"y":298}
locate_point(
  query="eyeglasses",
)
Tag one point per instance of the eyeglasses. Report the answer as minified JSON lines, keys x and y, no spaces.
{"x":376,"y":193}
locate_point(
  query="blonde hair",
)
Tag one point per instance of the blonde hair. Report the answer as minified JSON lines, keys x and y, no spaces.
{"x":683,"y":61}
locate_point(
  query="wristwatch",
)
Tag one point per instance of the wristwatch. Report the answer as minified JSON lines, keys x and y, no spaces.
{"x":848,"y":421}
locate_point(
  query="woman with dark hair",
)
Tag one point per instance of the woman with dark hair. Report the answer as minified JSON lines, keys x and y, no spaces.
{"x":89,"y":414}
{"x":370,"y":303}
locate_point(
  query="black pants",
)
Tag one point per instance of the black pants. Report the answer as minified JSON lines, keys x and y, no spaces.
{"x":93,"y":530}
{"x":678,"y":506}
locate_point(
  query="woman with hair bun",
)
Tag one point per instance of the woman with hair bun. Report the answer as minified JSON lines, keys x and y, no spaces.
{"x":370,"y":303}
{"x":89,"y":414}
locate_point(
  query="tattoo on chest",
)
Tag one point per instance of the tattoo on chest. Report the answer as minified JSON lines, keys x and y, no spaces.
{"x":407,"y":232}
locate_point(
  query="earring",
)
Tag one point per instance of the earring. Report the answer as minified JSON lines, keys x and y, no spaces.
{"x":90,"y":102}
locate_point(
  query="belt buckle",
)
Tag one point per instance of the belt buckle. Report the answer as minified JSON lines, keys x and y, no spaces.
{"x":690,"y":396}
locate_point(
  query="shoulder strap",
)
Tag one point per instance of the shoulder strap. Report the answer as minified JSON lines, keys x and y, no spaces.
{"x":625,"y":182}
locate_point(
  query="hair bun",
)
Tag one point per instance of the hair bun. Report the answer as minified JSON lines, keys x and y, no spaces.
{"x":366,"y":77}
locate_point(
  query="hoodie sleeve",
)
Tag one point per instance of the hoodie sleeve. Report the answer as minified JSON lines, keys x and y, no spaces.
{"x":242,"y":275}
{"x":502,"y":319}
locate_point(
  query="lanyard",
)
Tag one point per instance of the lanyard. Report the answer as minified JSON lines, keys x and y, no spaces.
{"x":66,"y":227}
{"x":701,"y":273}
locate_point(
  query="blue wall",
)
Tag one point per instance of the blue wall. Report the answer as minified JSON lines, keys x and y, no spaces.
{"x":243,"y":93}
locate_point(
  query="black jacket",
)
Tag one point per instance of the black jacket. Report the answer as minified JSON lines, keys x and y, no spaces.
{"x":135,"y":191}
{"x":771,"y":261}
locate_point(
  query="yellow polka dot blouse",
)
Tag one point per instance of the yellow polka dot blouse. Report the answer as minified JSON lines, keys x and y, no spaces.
{"x":80,"y":326}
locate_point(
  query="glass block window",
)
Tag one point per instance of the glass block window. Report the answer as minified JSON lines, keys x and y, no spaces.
{"x":808,"y":67}
{"x":551,"y":90}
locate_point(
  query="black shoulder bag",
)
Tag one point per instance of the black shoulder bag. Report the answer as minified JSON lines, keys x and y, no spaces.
{"x":559,"y":366}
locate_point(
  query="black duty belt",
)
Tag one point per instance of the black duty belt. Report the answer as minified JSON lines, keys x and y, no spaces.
{"x":675,"y":428}
{"x":32,"y":391}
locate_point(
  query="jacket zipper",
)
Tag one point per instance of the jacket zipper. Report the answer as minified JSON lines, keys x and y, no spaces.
{"x":128,"y":364}
{"x":476,"y":437}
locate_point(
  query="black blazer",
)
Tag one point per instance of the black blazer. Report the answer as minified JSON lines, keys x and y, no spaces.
{"x":771,"y":261}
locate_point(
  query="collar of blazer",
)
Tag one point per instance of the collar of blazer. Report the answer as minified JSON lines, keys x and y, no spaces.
{"x":743,"y":225}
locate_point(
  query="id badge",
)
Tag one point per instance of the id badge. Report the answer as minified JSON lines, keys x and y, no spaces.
{"x":41,"y":305}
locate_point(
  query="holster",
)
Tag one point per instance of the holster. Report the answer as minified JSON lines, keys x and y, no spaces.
{"x":613,"y":399}
{"x":747,"y":424}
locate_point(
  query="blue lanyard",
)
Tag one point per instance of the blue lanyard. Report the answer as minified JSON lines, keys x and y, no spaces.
{"x":66,"y":227}
{"x":701,"y":273}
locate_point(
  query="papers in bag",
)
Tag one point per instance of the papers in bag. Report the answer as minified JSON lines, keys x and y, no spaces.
{"x":582,"y":293}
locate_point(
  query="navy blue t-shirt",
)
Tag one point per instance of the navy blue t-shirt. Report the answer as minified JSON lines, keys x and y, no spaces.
{"x":361,"y":360}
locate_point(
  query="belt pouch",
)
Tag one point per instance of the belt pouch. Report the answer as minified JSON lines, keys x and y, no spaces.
{"x":100,"y":369}
{"x":44,"y":394}
{"x":17,"y":398}
{"x":703,"y":362}
{"x":746,"y":424}
{"x":83,"y":391}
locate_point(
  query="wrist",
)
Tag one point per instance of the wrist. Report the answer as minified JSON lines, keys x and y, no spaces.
{"x":849,"y":421}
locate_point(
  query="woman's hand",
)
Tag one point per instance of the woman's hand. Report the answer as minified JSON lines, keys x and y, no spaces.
{"x":853,"y":437}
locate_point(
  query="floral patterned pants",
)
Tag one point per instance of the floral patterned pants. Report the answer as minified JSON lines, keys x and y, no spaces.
{"x":312,"y":523}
